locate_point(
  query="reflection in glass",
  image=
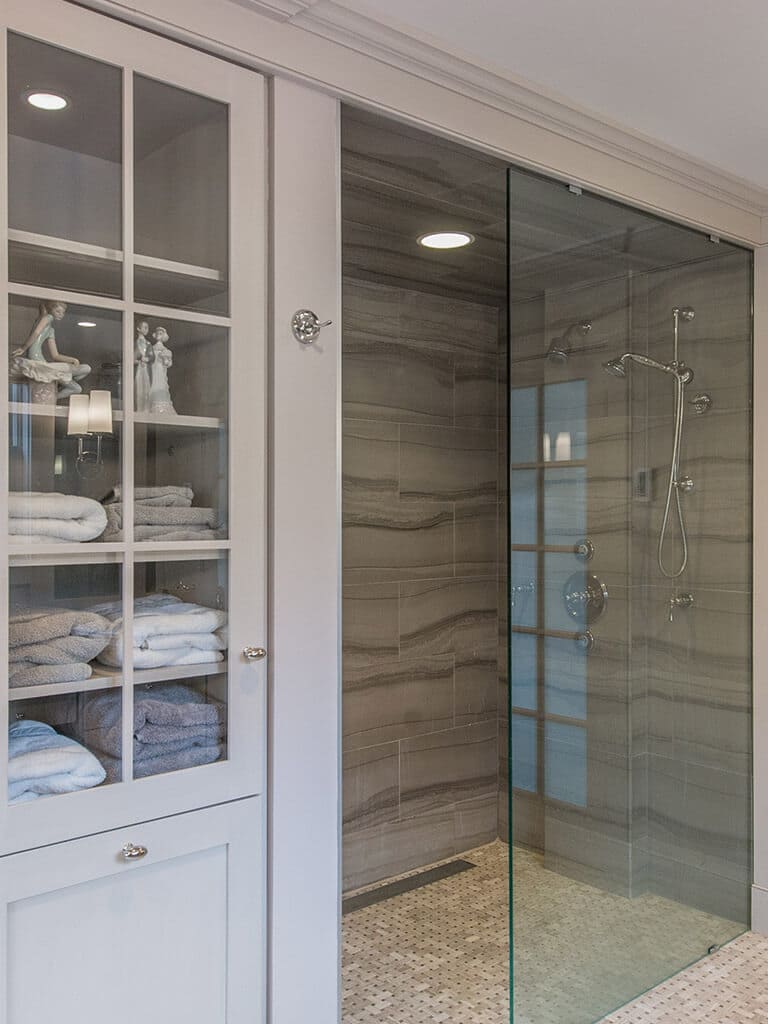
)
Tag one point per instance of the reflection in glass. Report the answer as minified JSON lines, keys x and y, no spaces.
{"x":565,"y":759}
{"x":64,"y":170}
{"x":524,"y":670}
{"x":524,"y":755}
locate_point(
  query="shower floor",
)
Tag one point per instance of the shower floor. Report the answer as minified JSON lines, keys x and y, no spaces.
{"x":440,"y":953}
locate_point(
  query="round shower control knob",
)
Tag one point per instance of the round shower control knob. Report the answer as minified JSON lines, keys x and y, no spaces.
{"x":254,"y":653}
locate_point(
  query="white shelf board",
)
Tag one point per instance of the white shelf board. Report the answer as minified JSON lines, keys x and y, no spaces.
{"x":104,"y":678}
{"x":101,"y":252}
{"x":63,"y":554}
{"x":96,"y":682}
{"x":146,"y":418}
{"x":179,"y":550}
{"x":173,"y":672}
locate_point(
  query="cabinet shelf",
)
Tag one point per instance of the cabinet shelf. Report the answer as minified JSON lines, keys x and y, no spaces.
{"x":146,"y":418}
{"x":87,"y":251}
{"x":104,"y":678}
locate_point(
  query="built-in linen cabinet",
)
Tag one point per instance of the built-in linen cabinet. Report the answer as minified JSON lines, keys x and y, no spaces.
{"x":134,"y":302}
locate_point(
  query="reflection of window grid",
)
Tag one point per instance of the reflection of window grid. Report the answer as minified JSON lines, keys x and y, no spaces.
{"x":549,"y":731}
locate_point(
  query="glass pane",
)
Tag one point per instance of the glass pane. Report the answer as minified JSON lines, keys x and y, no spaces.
{"x":565,"y":436}
{"x":64,"y":169}
{"x":524,"y":670}
{"x":524,"y":425}
{"x":565,"y":505}
{"x":65,"y":420}
{"x":523,"y":750}
{"x":523,"y":506}
{"x":180,"y":665}
{"x":564,"y":580}
{"x":565,"y":678}
{"x":59,"y":663}
{"x":522,"y":587}
{"x":181,"y":198}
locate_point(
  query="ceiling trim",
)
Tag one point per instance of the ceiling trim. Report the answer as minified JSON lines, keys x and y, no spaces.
{"x":417,"y":54}
{"x":277,"y":10}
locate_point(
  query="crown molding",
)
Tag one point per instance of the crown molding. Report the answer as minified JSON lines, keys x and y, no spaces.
{"x":424,"y":57}
{"x":276,"y":10}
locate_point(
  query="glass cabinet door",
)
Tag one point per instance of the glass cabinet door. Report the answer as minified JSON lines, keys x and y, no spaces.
{"x":132,"y":346}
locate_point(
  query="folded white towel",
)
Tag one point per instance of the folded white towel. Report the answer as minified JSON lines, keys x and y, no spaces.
{"x":169,"y":495}
{"x":42,"y":762}
{"x":48,"y":517}
{"x":113,"y":656}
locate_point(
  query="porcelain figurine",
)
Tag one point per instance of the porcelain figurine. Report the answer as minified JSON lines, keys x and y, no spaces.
{"x":159,"y":392}
{"x":58,"y":376}
{"x":142,"y":357}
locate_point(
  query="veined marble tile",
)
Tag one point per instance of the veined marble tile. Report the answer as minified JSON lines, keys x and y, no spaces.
{"x":476,"y":540}
{"x":370,"y":787}
{"x":447,"y":616}
{"x":476,"y":686}
{"x":448,"y":465}
{"x":370,"y":459}
{"x":476,"y":391}
{"x":447,"y":767}
{"x":396,"y":540}
{"x":447,"y":325}
{"x":370,"y":623}
{"x":396,"y":700}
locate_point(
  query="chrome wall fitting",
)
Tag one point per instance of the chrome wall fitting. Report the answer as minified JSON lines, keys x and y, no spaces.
{"x":679,"y":601}
{"x":585,"y":596}
{"x":585,"y":641}
{"x":701,"y":403}
{"x":520,"y":589}
{"x":584,"y":550}
{"x":306,"y":326}
{"x":685,"y":484}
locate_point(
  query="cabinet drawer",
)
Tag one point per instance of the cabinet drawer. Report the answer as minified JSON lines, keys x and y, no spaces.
{"x":168,"y":929}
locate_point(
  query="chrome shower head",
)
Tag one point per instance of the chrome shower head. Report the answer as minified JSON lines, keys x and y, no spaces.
{"x":616,"y":367}
{"x":560,"y":349}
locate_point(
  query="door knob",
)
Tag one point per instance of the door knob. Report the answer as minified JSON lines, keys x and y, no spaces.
{"x":254,"y":653}
{"x":306,"y":326}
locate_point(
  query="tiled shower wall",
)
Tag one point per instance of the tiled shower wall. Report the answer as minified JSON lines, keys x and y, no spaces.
{"x":421,"y":578}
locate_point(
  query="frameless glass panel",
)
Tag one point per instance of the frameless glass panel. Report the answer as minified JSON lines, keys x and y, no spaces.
{"x":523,"y":506}
{"x":180,"y":664}
{"x":181,"y":198}
{"x":64,"y":169}
{"x":60,"y":668}
{"x":522,"y":588}
{"x":618,"y":837}
{"x":65,"y":421}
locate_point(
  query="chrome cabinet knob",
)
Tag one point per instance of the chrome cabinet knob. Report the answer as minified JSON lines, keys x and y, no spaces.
{"x":254,"y":653}
{"x":131,"y":852}
{"x":306,"y":326}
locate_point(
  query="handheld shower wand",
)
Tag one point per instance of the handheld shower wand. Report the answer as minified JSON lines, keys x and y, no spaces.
{"x":683,"y":376}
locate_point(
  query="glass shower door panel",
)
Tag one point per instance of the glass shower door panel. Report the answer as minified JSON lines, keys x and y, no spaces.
{"x":630,"y":691}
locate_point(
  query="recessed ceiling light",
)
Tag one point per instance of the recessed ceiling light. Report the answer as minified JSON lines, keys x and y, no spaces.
{"x":47,"y":100}
{"x":86,"y":323}
{"x":446,"y":239}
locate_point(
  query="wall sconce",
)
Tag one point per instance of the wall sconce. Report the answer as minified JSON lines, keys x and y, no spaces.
{"x":89,"y":416}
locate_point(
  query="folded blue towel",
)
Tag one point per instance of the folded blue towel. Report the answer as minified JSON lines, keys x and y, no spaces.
{"x":41,"y":762}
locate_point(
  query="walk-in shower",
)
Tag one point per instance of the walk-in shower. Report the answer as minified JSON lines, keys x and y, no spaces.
{"x":546,"y":626}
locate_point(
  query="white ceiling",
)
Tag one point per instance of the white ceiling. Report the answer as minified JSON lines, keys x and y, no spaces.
{"x":690,"y":73}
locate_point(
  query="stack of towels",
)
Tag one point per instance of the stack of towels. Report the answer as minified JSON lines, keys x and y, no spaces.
{"x":161,"y":513}
{"x":166,"y":631}
{"x":54,"y":645}
{"x":42,"y":762}
{"x":174,"y":727}
{"x":50,"y":518}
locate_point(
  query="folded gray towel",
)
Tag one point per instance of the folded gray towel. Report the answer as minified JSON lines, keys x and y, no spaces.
{"x":167,"y":533}
{"x":191,"y":757}
{"x":151,"y":515}
{"x":63,"y":650}
{"x":24,"y":674}
{"x":169,"y":495}
{"x":37,"y":625}
{"x":166,"y":719}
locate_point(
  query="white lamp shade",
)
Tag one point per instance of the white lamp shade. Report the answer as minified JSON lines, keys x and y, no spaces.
{"x":100,"y":412}
{"x":78,"y":415}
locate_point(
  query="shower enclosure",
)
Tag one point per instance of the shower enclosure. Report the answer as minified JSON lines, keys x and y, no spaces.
{"x":629,"y":613}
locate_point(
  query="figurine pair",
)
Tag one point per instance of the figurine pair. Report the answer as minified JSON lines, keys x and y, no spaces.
{"x":152,"y":392}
